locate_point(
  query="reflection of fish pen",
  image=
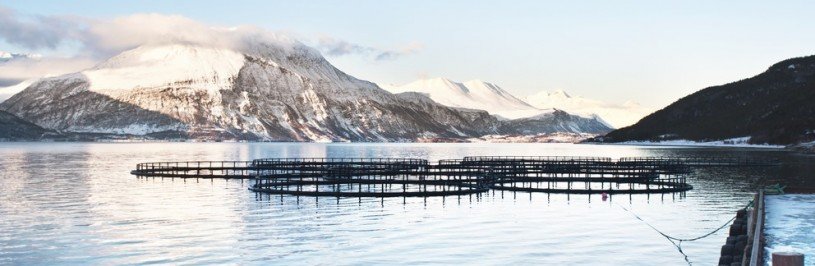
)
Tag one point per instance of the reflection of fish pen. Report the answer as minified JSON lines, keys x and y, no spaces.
{"x":361,"y":177}
{"x":371,"y":177}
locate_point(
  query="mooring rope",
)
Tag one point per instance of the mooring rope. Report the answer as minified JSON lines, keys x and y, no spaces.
{"x":674,"y":240}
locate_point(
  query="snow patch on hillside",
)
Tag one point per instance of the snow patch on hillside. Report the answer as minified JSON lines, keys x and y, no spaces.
{"x":559,"y":137}
{"x":733,"y":142}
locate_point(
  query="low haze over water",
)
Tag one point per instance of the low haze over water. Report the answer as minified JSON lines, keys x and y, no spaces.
{"x":76,"y":203}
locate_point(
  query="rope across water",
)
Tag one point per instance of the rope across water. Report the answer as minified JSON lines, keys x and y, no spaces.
{"x":677,"y":242}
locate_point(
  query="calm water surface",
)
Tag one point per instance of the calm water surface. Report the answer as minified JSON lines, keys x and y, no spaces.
{"x":76,"y":203}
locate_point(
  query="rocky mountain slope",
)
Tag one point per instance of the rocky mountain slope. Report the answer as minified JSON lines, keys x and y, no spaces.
{"x":776,"y":107}
{"x":281,"y":92}
{"x":554,"y":122}
{"x":546,"y":122}
{"x":517,"y":116}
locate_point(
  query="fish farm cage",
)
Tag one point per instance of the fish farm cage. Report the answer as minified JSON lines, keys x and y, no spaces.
{"x":404,"y":177}
{"x":364,"y":178}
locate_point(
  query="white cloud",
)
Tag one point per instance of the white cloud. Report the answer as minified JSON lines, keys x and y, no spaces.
{"x":405,"y":50}
{"x":16,"y":71}
{"x":100,"y":39}
{"x":335,"y":47}
{"x":103,"y":38}
{"x":97,"y":39}
{"x":36,"y":31}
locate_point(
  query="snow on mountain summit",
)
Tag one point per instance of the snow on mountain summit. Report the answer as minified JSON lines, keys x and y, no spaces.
{"x":559,"y":93}
{"x":474,"y":94}
{"x":147,"y":66}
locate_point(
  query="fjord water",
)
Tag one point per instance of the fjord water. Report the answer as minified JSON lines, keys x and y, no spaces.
{"x":76,"y":203}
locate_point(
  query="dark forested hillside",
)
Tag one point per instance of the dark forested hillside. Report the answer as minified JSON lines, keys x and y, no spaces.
{"x":777,"y":106}
{"x":14,"y":128}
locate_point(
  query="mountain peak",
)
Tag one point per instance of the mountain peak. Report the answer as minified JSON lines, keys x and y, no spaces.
{"x":478,"y":81}
{"x":157,"y":65}
{"x":560,"y":93}
{"x":473,"y":94}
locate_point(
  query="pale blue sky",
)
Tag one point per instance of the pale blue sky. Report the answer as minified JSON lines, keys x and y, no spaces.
{"x":652,"y":52}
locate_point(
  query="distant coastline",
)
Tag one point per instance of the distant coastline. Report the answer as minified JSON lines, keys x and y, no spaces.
{"x":735,"y":142}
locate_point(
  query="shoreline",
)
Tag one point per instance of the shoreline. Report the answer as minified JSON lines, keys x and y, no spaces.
{"x":694,"y":145}
{"x":642,"y":144}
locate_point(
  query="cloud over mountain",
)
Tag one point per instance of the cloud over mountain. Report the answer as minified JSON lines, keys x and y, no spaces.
{"x":336,"y":47}
{"x":98,"y":39}
{"x":103,"y":38}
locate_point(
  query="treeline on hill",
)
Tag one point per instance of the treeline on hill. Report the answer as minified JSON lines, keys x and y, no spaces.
{"x":776,"y":107}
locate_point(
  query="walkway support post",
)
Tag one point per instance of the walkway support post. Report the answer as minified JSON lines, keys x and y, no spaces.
{"x":788,"y":259}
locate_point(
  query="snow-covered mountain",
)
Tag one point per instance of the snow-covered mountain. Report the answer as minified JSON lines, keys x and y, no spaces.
{"x":617,"y":115}
{"x":474,"y":94}
{"x":280,"y":91}
{"x":264,"y":91}
{"x":555,"y":122}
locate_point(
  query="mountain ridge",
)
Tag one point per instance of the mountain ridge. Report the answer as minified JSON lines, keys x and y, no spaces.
{"x":473,"y":94}
{"x":776,"y":106}
{"x":616,"y":115}
{"x":269,"y":93}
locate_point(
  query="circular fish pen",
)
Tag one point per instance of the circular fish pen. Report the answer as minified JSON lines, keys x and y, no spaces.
{"x":400,"y":177}
{"x":364,"y":177}
{"x":581,"y":175}
{"x":198,"y":169}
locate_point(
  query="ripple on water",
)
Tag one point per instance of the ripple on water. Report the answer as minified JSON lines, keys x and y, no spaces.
{"x":77,"y":204}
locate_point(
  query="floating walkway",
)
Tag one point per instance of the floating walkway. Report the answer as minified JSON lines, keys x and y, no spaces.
{"x":775,"y":229}
{"x":400,"y":177}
